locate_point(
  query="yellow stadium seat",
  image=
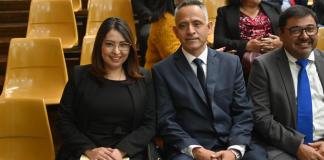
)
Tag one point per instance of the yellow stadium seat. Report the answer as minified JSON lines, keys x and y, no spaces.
{"x":320,"y":42}
{"x":35,"y":69}
{"x":99,"y":10}
{"x":212,"y":6}
{"x":77,"y":5}
{"x":53,"y":18}
{"x":87,"y":47}
{"x":25,"y":133}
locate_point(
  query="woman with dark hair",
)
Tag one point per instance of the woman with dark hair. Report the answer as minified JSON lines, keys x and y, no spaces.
{"x":107,"y":111}
{"x":248,"y":28}
{"x":162,"y":42}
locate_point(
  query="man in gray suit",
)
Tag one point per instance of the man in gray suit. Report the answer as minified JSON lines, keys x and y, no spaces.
{"x":202,"y":117}
{"x":277,"y":85}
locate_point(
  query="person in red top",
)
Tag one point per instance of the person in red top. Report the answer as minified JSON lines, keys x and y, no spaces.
{"x":247,"y":26}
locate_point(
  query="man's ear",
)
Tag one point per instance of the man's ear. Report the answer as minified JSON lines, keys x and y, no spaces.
{"x":210,"y":27}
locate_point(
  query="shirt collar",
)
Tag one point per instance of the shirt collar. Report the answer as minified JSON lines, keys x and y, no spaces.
{"x":202,"y":56}
{"x":292,"y":59}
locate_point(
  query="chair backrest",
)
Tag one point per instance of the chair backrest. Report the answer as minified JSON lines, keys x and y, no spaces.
{"x":212,"y":6}
{"x":25,"y":132}
{"x":320,"y":42}
{"x":77,"y":5}
{"x":99,"y":10}
{"x":87,"y":47}
{"x":35,"y":69}
{"x":53,"y":18}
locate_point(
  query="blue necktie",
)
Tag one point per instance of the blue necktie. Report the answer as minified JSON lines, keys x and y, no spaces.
{"x":200,"y":73}
{"x":304,"y":103}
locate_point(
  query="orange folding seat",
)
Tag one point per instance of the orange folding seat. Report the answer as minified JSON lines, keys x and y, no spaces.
{"x":99,"y":10}
{"x":53,"y":18}
{"x":87,"y":47}
{"x":212,"y":6}
{"x":320,"y":42}
{"x":77,"y":5}
{"x":25,"y":132}
{"x":35,"y":69}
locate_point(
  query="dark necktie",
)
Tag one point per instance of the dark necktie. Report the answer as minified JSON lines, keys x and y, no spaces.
{"x":304,"y":103}
{"x":200,"y":73}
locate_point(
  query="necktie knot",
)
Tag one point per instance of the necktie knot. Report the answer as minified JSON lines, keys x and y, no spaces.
{"x":198,"y":61}
{"x":302,"y":63}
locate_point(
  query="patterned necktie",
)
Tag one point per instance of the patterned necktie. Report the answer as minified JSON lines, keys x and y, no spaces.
{"x":200,"y":73}
{"x":304,"y":103}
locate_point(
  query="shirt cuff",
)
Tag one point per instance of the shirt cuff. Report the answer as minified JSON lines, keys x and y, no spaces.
{"x":188,"y":150}
{"x":241,"y":148}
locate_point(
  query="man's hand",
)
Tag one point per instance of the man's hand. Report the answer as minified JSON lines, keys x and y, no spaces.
{"x":201,"y":153}
{"x":101,"y":153}
{"x":116,"y":154}
{"x":225,"y":155}
{"x":306,"y":152}
{"x":318,"y":146}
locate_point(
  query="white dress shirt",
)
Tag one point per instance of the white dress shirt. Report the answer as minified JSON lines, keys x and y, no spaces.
{"x":203,"y":57}
{"x":316,"y":92}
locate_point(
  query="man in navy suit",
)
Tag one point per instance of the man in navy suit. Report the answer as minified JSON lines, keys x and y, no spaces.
{"x":203,"y":109}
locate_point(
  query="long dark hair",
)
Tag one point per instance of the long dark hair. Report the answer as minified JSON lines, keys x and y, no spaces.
{"x":131,"y":65}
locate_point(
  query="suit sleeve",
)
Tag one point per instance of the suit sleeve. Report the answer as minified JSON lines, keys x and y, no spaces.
{"x":282,"y":137}
{"x":172,"y":133}
{"x":241,"y":111}
{"x":222,"y":33}
{"x":139,"y":138}
{"x":67,"y":121}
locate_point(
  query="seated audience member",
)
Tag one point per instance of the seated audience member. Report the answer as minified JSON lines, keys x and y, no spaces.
{"x":286,"y":86}
{"x":202,"y":117}
{"x":248,"y":28}
{"x":162,"y":42}
{"x":107,"y":110}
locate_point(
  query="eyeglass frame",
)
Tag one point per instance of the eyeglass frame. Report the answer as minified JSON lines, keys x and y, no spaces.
{"x":302,"y":29}
{"x":114,"y":45}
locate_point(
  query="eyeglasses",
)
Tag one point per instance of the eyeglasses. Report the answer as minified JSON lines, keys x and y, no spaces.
{"x":296,"y":31}
{"x":123,"y":46}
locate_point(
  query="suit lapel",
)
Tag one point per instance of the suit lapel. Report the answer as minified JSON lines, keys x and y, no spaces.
{"x":319,"y":62}
{"x":286,"y":77}
{"x":184,"y":67}
{"x":212,"y":71}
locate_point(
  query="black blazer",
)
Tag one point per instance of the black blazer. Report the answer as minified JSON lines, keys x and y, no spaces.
{"x":73,"y":116}
{"x":227,"y":31}
{"x":186,"y":117}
